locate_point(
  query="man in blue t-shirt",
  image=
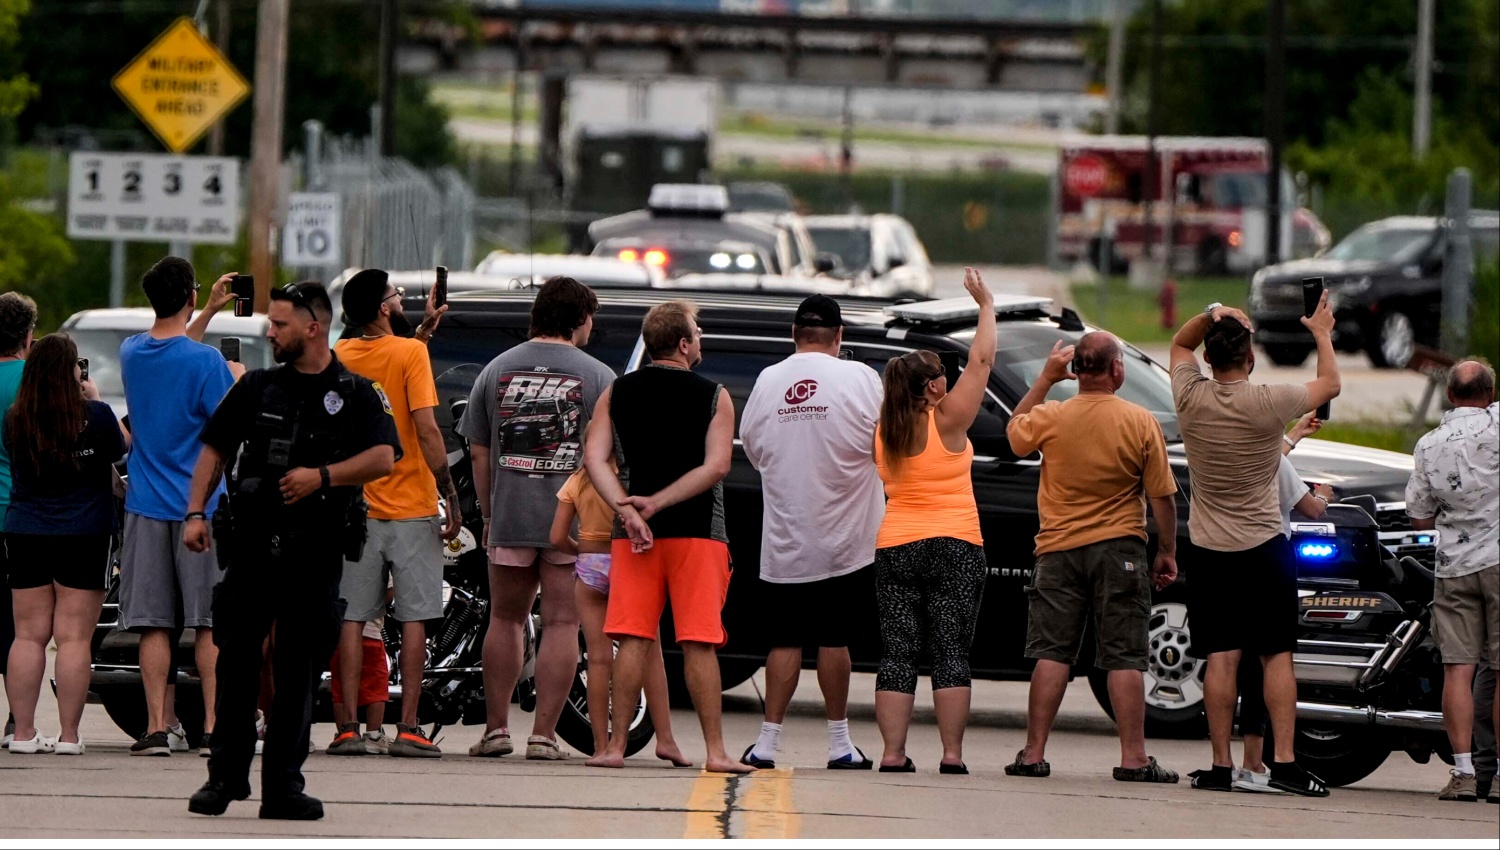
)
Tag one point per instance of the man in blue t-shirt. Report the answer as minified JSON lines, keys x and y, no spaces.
{"x":173,"y":384}
{"x":17,"y":324}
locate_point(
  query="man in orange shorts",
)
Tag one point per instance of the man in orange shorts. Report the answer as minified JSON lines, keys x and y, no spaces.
{"x":669,"y":539}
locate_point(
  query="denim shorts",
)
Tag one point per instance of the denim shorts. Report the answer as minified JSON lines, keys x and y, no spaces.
{"x":592,"y":568}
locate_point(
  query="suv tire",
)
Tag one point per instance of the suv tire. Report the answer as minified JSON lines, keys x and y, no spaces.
{"x":1174,"y":680}
{"x":1391,"y":340}
{"x":1288,"y":355}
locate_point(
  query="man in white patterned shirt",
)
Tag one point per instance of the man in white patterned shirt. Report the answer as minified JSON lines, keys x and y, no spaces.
{"x":1455,"y":488}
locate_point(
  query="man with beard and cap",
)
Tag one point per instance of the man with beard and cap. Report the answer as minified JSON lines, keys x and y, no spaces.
{"x":405,"y":540}
{"x":312,"y":434}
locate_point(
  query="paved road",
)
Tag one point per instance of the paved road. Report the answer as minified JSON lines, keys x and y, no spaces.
{"x":108,"y":794}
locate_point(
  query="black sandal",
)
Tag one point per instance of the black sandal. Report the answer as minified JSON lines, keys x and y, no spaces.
{"x":959,"y":769}
{"x":908,"y":767}
{"x":1152,"y":772}
{"x":757,"y":763}
{"x":1020,"y":768}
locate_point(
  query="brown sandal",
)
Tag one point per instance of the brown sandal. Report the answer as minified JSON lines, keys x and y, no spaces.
{"x":1152,"y":772}
{"x":1020,"y":768}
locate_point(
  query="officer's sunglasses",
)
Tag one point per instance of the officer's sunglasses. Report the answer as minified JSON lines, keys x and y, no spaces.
{"x":293,"y":292}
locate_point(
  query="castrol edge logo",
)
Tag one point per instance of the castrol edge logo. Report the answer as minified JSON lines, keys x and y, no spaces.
{"x":801,"y":391}
{"x":796,"y":398}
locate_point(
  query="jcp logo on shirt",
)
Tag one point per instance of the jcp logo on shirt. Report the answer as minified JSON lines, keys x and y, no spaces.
{"x":801,"y":391}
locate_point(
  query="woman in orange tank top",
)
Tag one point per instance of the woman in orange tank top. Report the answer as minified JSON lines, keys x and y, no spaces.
{"x":929,"y":558}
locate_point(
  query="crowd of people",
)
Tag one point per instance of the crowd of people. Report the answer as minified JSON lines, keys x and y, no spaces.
{"x":624,"y":514}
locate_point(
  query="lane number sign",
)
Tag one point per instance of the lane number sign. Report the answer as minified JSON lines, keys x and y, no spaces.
{"x":153,"y":197}
{"x":311,"y":235}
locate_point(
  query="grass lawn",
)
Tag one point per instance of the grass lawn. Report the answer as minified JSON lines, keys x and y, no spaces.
{"x":1135,"y":315}
{"x":1375,"y":435}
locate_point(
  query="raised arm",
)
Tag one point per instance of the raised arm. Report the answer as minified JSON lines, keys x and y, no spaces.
{"x":1327,"y":385}
{"x":218,"y":296}
{"x":718,"y":451}
{"x":957,"y":411}
{"x":435,"y":454}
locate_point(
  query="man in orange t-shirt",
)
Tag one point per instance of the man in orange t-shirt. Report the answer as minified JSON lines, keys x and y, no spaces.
{"x":1103,"y":459}
{"x":405,"y":537}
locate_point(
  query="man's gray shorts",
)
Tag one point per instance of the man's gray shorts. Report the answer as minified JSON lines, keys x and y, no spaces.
{"x":410,"y":552}
{"x":163,"y":585}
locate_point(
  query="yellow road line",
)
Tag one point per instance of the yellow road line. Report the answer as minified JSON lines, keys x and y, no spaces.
{"x":764,"y":799}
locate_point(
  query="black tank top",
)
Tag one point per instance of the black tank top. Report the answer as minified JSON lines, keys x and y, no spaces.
{"x":661,"y":417}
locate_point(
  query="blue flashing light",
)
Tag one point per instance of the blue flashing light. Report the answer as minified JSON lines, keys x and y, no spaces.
{"x":1317,"y":551}
{"x":1425,"y":539}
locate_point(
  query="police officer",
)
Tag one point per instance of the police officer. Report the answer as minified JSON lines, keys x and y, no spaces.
{"x":313,"y":433}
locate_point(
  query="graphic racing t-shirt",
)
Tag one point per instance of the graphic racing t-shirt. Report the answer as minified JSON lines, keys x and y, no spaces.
{"x":530,"y":408}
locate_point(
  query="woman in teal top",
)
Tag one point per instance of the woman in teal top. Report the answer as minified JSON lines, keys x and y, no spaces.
{"x":17,"y":323}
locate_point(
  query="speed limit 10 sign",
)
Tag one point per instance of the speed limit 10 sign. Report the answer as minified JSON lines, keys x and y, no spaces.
{"x":153,"y":197}
{"x":311,"y":235}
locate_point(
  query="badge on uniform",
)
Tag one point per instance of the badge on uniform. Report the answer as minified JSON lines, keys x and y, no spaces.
{"x":1129,"y":567}
{"x":333,"y":402}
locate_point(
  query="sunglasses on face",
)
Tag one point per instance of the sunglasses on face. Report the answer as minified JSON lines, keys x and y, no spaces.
{"x":399,"y":293}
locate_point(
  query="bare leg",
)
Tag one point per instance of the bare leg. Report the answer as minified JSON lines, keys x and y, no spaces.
{"x":893,"y":716}
{"x":591,"y":606}
{"x":351,"y":660}
{"x":1127,"y":696}
{"x":1281,"y":704}
{"x":374,"y":716}
{"x":206,"y":656}
{"x":156,"y":660}
{"x":952,"y":706}
{"x":28,"y":656}
{"x":1049,"y":679}
{"x":413,"y":634}
{"x":630,"y":670}
{"x":557,"y":658}
{"x":834,"y":667}
{"x":701,"y":662}
{"x":1255,"y":753}
{"x":1458,"y":707}
{"x":73,"y":622}
{"x":659,"y":708}
{"x":1220,"y":688}
{"x":783,"y":670}
{"x":512,"y":590}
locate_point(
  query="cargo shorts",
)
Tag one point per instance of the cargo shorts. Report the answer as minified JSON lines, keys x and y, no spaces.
{"x":1107,"y":584}
{"x":1466,"y":618}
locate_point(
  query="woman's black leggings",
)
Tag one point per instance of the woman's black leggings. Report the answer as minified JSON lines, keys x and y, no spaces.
{"x":928,"y":593}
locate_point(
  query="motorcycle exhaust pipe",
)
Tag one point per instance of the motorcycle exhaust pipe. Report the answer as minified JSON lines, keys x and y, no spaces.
{"x":1370,"y":716}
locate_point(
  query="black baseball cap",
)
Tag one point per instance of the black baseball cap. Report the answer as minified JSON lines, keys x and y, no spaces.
{"x":363,"y":294}
{"x":819,"y":311}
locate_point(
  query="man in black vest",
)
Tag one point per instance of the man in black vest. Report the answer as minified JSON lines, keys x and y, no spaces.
{"x":313,"y":433}
{"x":675,"y":434}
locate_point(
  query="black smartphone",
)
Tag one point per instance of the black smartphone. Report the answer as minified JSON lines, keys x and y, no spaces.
{"x":440,"y":289}
{"x":83,"y":369}
{"x":1312,"y":293}
{"x":243,"y":287}
{"x":1324,"y":411}
{"x":229,"y":346}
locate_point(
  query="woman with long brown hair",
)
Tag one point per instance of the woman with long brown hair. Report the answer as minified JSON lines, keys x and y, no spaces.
{"x":57,"y":535}
{"x":929,"y":556}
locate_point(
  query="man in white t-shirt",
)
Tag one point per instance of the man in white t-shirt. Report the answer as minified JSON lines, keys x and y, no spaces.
{"x":809,"y":429}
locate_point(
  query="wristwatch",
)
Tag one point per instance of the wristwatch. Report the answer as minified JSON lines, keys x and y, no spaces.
{"x":1209,"y":310}
{"x":327,"y":479}
{"x":1289,"y":441}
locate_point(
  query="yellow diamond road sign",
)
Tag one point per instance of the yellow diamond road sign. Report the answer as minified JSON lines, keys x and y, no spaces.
{"x":180,"y":85}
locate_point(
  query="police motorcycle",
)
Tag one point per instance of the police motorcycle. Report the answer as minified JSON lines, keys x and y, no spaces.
{"x":1369,"y":675}
{"x":452,"y":684}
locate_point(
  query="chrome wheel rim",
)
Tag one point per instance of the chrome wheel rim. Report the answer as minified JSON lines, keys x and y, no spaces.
{"x":1397,"y":339}
{"x":1174,"y":679}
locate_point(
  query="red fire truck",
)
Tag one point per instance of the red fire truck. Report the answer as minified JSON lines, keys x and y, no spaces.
{"x":1208,"y":197}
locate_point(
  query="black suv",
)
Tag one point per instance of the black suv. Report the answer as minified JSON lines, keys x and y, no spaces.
{"x":1385,"y":284}
{"x":746,"y":332}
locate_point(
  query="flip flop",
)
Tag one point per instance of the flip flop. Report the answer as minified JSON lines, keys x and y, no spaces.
{"x":959,"y":769}
{"x":863,"y":762}
{"x":908,"y":767}
{"x":1019,"y":767}
{"x":755,"y":761}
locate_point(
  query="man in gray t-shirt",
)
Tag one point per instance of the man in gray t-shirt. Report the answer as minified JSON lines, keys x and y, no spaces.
{"x":525,"y":424}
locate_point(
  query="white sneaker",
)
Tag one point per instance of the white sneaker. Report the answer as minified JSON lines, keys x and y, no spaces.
{"x":64,"y":748}
{"x":37,"y":744}
{"x":260,"y":731}
{"x":177,"y":738}
{"x":377,"y":744}
{"x":1249,"y":780}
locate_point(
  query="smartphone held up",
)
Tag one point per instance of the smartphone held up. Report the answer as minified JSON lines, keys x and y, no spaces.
{"x":1312,"y":293}
{"x":242,"y":286}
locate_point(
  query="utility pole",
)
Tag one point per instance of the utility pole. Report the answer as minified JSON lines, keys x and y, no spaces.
{"x":1421,"y":130}
{"x":1115,"y":66}
{"x":390,"y":17}
{"x":1152,"y":182}
{"x":265,"y":143}
{"x":221,"y":41}
{"x":1275,"y":122}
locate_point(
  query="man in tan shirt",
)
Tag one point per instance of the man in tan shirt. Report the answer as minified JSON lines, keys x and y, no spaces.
{"x":1103,"y":458}
{"x":1242,"y":595}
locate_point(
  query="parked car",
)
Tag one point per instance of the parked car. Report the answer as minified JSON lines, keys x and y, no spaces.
{"x":744,"y":332}
{"x":880,"y":253}
{"x":98,"y":334}
{"x":1385,"y":285}
{"x":760,"y":196}
{"x":535,"y":269}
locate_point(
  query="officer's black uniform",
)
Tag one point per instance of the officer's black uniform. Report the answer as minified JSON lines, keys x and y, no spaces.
{"x":284,"y":560}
